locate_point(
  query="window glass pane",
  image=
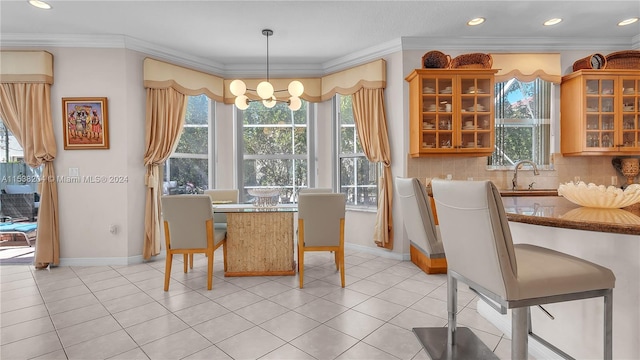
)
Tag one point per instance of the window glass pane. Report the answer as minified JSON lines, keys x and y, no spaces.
{"x":187,"y":170}
{"x":197,"y":110}
{"x":348,"y":140}
{"x":13,"y":169}
{"x":287,"y":174}
{"x":194,"y":140}
{"x":275,"y":148}
{"x":191,"y":175}
{"x":522,"y":128}
{"x":357,"y":177}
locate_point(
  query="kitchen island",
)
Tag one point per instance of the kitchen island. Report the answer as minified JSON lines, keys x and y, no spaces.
{"x":610,"y":238}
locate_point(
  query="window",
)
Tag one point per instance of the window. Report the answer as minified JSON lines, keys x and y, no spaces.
{"x":522,"y":124}
{"x":190,"y":168}
{"x":13,"y":169}
{"x":277,"y":149}
{"x":357,"y":176}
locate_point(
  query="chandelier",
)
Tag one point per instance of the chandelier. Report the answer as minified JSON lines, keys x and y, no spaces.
{"x":264,"y":91}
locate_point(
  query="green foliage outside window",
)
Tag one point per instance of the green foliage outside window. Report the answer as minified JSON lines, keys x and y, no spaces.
{"x":275,"y":148}
{"x":522,"y":123}
{"x":189,"y":164}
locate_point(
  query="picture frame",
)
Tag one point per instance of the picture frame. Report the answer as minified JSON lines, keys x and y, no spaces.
{"x":85,"y":123}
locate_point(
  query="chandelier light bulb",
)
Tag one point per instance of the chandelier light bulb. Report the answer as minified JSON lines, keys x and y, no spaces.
{"x":269,"y":103}
{"x":265,"y":90}
{"x":296,"y":88}
{"x":242,"y":102}
{"x":238,"y":87}
{"x":295,"y":103}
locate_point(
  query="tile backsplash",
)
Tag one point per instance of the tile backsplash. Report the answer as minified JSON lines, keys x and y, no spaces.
{"x":594,"y":169}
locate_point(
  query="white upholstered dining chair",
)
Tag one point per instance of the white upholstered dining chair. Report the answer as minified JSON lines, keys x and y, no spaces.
{"x":230,"y":196}
{"x":425,"y":245}
{"x":480,"y":252}
{"x":188,"y":230}
{"x":321,"y":228}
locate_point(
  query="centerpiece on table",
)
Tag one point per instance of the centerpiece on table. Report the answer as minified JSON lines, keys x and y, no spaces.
{"x":265,"y":197}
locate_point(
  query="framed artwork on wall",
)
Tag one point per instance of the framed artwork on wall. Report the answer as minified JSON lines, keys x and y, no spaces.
{"x":85,"y":123}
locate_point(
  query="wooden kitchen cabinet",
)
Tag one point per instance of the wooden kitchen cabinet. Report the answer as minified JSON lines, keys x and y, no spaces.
{"x":451,"y":112}
{"x":599,"y":113}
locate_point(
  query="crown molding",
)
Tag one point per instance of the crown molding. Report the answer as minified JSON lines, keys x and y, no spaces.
{"x":62,"y":40}
{"x":468,"y":44}
{"x":509,"y":44}
{"x":362,"y":56}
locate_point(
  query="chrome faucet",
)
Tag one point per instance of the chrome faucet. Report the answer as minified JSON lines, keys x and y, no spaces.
{"x":514,"y":181}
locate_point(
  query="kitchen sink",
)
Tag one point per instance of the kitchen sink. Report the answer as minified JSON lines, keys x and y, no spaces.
{"x":532,"y":192}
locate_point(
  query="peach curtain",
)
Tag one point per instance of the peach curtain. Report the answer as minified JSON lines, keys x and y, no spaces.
{"x":166,"y":109}
{"x":26,"y":110}
{"x":371,"y":123}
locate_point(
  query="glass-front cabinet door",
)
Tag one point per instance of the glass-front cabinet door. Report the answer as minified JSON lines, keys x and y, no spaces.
{"x":630,"y":106}
{"x":600,"y":112}
{"x":451,"y":112}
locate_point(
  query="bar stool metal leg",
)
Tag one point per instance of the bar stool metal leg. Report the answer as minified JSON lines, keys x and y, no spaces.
{"x":608,"y":325}
{"x":520,"y":333}
{"x":452,"y":305}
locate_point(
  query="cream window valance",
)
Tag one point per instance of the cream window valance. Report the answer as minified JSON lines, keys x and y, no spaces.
{"x":372,"y":75}
{"x":528,"y":66}
{"x":26,"y":67}
{"x":161,"y":75}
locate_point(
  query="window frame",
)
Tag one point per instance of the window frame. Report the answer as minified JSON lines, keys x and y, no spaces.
{"x":338,"y":156}
{"x":211,"y":149}
{"x":309,"y":157}
{"x":546,"y":144}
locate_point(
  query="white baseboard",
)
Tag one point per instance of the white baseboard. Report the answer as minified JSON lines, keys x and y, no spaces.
{"x":137,"y":259}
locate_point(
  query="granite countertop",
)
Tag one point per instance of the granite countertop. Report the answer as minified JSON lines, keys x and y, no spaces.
{"x":556,"y":211}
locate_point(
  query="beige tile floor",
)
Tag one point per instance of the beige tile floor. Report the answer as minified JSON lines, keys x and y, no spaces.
{"x":122,"y":312}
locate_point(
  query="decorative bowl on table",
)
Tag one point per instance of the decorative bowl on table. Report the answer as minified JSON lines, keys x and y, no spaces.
{"x":265,"y":197}
{"x":600,"y":196}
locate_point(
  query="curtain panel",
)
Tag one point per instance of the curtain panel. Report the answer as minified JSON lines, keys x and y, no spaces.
{"x":26,"y":111}
{"x":25,"y":108}
{"x":371,"y":124}
{"x":165,"y":116}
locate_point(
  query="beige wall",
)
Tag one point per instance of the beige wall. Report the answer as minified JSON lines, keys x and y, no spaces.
{"x":88,"y":210}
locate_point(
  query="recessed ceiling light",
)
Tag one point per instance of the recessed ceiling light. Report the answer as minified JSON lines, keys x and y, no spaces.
{"x":552,"y":21}
{"x":40,"y":4}
{"x":476,"y":21}
{"x":628,"y":21}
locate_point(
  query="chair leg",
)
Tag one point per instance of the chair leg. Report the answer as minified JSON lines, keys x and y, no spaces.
{"x":185,"y":261}
{"x":520,"y":333}
{"x":210,"y":270}
{"x":301,"y":265}
{"x":608,"y":325}
{"x":224,"y":253}
{"x":335,"y":255}
{"x":341,"y":260}
{"x":191,"y":261}
{"x":167,"y":271}
{"x":452,"y":308}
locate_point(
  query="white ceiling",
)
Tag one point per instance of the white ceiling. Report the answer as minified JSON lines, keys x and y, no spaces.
{"x":313,"y":36}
